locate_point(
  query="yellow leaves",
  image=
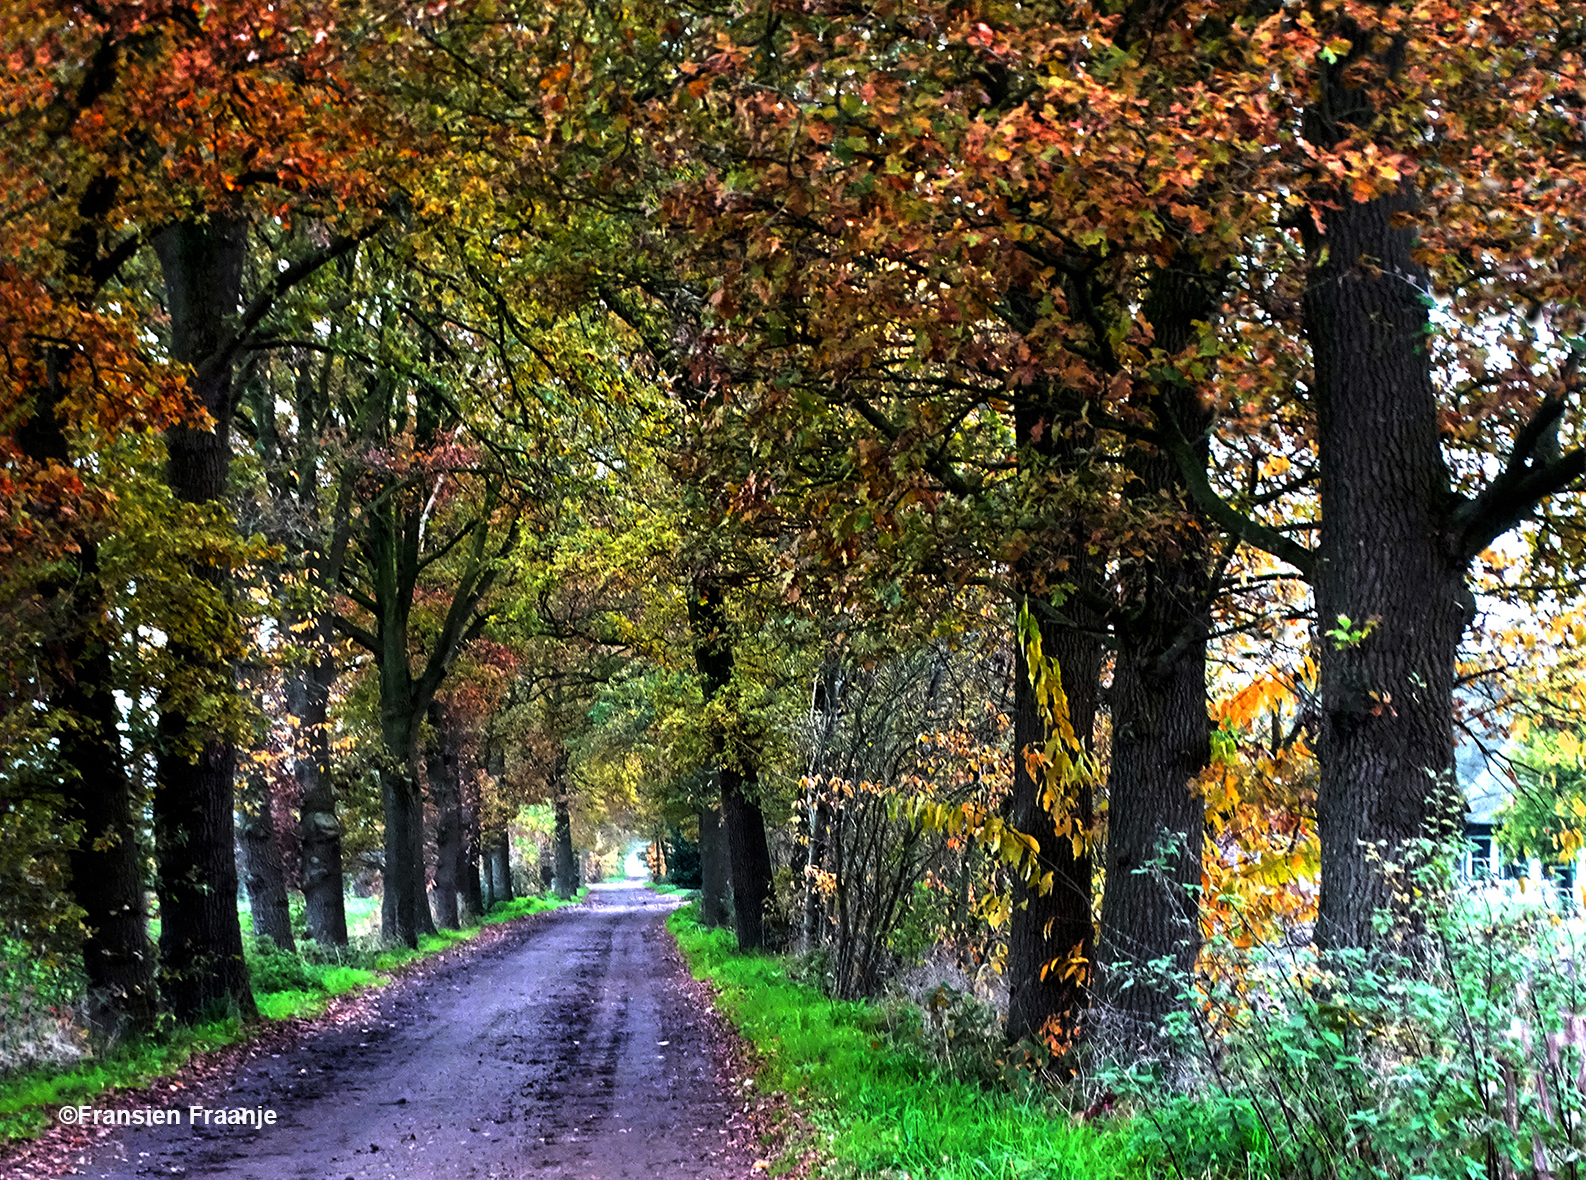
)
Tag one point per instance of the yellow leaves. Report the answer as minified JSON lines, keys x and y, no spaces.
{"x":1069,"y":967}
{"x":995,"y":910}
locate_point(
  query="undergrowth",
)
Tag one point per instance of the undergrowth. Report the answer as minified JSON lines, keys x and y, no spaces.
{"x":886,"y":1109}
{"x":1454,"y":1049}
{"x":285,"y":985}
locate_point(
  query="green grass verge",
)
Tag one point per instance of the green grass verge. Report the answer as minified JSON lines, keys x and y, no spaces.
{"x":885,"y":1112}
{"x":29,"y":1098}
{"x":666,"y":887}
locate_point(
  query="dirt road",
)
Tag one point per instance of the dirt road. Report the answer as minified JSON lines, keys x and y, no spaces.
{"x":573,"y":1049}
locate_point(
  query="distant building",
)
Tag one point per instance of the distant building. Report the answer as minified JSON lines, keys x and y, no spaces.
{"x":1485,"y":793}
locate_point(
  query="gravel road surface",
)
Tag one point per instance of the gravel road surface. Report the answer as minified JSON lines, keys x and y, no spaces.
{"x":577,"y":1047}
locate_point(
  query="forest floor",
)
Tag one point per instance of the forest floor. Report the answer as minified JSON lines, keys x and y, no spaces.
{"x":575,"y":1044}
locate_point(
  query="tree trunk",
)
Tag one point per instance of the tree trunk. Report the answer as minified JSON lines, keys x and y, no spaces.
{"x":1156,"y":823}
{"x":446,"y":796}
{"x":263,"y":866}
{"x":565,"y":883}
{"x":474,"y":904}
{"x":487,"y":874}
{"x":1387,"y":737}
{"x":1161,"y":732}
{"x":423,"y":916}
{"x":748,"y":857}
{"x":712,"y":870}
{"x":500,"y":851}
{"x":1045,"y":931}
{"x":319,"y":829}
{"x":398,"y":914}
{"x":105,"y":863}
{"x":743,"y":825}
{"x":308,"y":698}
{"x":201,"y":963}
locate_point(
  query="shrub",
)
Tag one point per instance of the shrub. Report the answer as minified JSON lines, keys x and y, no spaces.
{"x":272,"y":969}
{"x":1455,"y":1049}
{"x":41,"y":1010}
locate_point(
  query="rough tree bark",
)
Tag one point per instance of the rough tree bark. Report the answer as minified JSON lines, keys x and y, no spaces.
{"x":1387,"y":735}
{"x":1161,"y":734}
{"x":105,"y":862}
{"x":319,"y":828}
{"x":564,"y":880}
{"x":398,"y":792}
{"x":742,"y":824}
{"x":201,"y":965}
{"x":1388,"y":560}
{"x":441,"y":764}
{"x":712,"y":870}
{"x":264,"y":868}
{"x":500,"y":856}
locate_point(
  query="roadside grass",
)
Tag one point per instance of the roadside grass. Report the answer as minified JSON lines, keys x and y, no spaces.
{"x":29,"y":1098}
{"x":666,"y":888}
{"x":884,"y":1110}
{"x":286,"y":986}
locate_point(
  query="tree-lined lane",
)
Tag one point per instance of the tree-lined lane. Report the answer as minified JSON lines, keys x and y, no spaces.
{"x":571,"y":1050}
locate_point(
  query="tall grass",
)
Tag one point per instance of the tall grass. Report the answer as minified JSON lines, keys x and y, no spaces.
{"x":885,"y":1109}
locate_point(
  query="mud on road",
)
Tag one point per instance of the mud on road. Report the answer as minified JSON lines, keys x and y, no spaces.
{"x":575,"y":1048}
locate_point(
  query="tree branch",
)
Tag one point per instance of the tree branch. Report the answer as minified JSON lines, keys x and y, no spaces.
{"x":1530,"y":476}
{"x":1192,"y":468}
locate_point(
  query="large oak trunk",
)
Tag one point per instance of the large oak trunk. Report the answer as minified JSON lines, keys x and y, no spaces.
{"x":1386,"y":681}
{"x":401,"y":806}
{"x":319,"y":828}
{"x":441,"y":765}
{"x":105,"y":862}
{"x":742,"y":824}
{"x":1161,"y":732}
{"x":712,"y":870}
{"x":1156,"y":818}
{"x":201,"y":965}
{"x":748,"y":857}
{"x":264,"y":868}
{"x":564,"y":880}
{"x":1045,"y":992}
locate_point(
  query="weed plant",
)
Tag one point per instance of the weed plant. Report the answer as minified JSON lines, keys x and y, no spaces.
{"x":41,"y":1010}
{"x":1456,"y":1049}
{"x":886,"y":1108}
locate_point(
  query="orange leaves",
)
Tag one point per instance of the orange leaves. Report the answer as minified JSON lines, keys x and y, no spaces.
{"x":1262,"y":860}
